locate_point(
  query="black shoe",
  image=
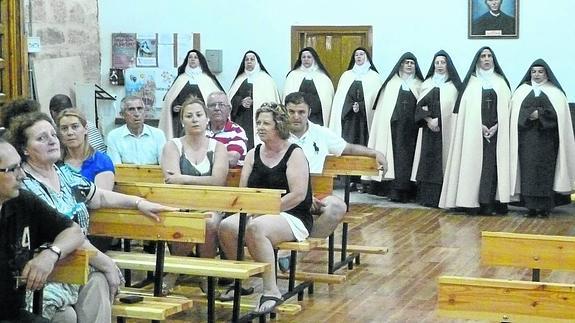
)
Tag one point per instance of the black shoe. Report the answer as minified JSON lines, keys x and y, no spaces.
{"x":472,"y":211}
{"x":352,"y":187}
{"x":501,"y":209}
{"x":544,"y":214}
{"x":531,"y":213}
{"x":225,"y":281}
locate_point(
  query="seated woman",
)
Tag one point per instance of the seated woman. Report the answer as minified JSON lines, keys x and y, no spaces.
{"x":95,"y":166}
{"x":195,"y":159}
{"x":34,"y":137}
{"x":275,"y":164}
{"x":79,"y":154}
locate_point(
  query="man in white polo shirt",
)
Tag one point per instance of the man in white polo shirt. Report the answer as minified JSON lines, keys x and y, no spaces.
{"x":317,"y":142}
{"x":135,"y":142}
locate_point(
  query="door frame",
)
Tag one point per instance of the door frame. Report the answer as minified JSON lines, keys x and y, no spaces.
{"x":14,"y":60}
{"x":298,"y":31}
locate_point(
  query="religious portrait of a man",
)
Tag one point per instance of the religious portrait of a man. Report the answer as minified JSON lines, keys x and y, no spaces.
{"x":493,"y":18}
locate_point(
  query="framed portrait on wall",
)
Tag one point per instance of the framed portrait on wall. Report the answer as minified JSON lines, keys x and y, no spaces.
{"x":493,"y":19}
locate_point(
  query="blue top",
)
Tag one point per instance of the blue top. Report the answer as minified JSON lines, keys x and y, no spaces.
{"x":99,"y":162}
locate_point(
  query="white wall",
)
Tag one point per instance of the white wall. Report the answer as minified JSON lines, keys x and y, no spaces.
{"x":419,"y":26}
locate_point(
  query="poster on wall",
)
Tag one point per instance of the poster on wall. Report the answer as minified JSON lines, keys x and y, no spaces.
{"x":123,"y":50}
{"x":183,"y":44}
{"x":493,"y":19}
{"x":147,"y":53}
{"x":151,"y":85}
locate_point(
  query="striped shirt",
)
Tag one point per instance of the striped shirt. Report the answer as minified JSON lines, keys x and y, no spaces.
{"x":233,"y":137}
{"x":95,"y":138}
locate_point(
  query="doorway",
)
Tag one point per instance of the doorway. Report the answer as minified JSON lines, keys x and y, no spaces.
{"x":334,"y":45}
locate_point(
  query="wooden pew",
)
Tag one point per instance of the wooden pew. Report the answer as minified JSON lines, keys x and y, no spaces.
{"x":505,"y":300}
{"x":322,"y":184}
{"x":240,"y":200}
{"x":173,"y":227}
{"x":74,"y":269}
{"x":346,"y":166}
{"x":509,"y":300}
{"x":528,"y":251}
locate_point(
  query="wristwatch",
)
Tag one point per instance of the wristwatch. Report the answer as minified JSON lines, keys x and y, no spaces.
{"x":52,"y":248}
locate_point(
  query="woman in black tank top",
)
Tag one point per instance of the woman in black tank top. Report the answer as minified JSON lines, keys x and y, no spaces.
{"x":274,"y":164}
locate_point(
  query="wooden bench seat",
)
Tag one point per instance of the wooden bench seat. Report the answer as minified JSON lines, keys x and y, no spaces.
{"x":190,"y":265}
{"x":505,"y":300}
{"x":151,"y":308}
{"x":197,"y":297}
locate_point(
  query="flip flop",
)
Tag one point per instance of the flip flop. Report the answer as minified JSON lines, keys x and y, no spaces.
{"x":224,"y":297}
{"x":264,"y":298}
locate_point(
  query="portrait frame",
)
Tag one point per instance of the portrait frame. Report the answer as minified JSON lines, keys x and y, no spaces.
{"x":481,"y":24}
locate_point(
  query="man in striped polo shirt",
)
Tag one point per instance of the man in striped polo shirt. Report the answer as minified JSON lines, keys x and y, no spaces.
{"x":222,"y":129}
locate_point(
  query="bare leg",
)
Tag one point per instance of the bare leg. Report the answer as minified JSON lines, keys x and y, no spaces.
{"x":209,"y":248}
{"x":262,"y":234}
{"x":331,"y":216}
{"x":228,"y":235}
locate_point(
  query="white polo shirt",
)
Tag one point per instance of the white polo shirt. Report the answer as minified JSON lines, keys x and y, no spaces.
{"x":318,"y":142}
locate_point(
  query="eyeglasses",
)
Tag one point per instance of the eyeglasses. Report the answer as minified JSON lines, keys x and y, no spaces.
{"x":13,"y":169}
{"x":220,"y":105}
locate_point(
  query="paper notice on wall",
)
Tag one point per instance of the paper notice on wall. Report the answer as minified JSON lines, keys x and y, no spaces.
{"x":124,"y":47}
{"x":184,"y":43}
{"x":147,"y":52}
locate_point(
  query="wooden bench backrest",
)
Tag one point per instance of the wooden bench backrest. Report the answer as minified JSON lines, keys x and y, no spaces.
{"x":505,"y":300}
{"x":322,"y":185}
{"x":74,"y":269}
{"x":131,"y":224}
{"x":527,"y":250}
{"x":350,"y":165}
{"x":210,"y":198}
{"x":138,"y":173}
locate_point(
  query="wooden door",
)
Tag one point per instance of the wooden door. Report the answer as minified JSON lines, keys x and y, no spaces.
{"x":334,"y":45}
{"x":13,"y":52}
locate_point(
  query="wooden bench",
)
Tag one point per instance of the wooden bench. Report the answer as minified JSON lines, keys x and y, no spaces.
{"x":510,"y":300}
{"x":528,"y":251}
{"x":505,"y":300}
{"x":130,"y":224}
{"x":240,"y":200}
{"x":74,"y":269}
{"x":346,"y":166}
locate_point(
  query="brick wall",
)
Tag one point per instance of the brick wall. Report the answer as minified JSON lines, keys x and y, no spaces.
{"x":66,"y":28}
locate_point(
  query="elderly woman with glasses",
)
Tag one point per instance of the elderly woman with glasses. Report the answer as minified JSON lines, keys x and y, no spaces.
{"x":34,"y":137}
{"x":274,"y":164}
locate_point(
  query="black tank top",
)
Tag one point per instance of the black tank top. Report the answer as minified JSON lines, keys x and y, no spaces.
{"x":264,"y":177}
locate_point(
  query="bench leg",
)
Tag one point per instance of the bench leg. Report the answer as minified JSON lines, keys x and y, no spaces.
{"x":292,"y":269}
{"x":120,"y":319}
{"x":127,"y":272}
{"x":331,"y":254}
{"x":37,"y":302}
{"x":240,"y":256}
{"x":211,"y":300}
{"x":536,"y":275}
{"x":159,"y":274}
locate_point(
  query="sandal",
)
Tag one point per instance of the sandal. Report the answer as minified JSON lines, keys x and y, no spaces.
{"x":226,"y":297}
{"x":264,"y":298}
